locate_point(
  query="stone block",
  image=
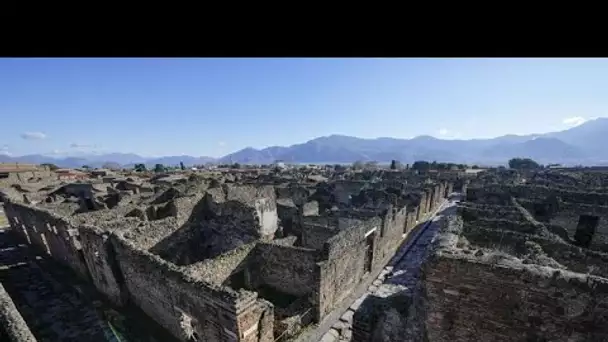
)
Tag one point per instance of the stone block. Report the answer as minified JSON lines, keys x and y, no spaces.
{"x":348,"y":317}
{"x":357,"y":303}
{"x":331,"y":336}
{"x":347,"y":334}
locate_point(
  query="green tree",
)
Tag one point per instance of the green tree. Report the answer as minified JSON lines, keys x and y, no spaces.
{"x":523,"y":164}
{"x":85,"y":167}
{"x":474,"y":167}
{"x":181,"y":165}
{"x":236,"y":166}
{"x":421,"y":165}
{"x":159,"y":168}
{"x":396,"y":165}
{"x":358,"y":165}
{"x":51,"y":166}
{"x":140,"y":168}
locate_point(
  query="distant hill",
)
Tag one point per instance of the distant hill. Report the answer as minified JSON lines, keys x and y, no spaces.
{"x":97,"y":161}
{"x":584,"y":144}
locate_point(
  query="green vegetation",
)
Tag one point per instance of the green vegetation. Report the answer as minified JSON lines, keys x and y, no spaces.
{"x":396,"y":165}
{"x":140,"y":168}
{"x":51,"y":167}
{"x":523,"y":164}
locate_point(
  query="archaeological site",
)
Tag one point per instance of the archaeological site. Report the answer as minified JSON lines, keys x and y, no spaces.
{"x":304,"y":255}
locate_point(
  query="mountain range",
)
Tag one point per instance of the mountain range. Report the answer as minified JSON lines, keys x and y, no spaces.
{"x":584,"y":144}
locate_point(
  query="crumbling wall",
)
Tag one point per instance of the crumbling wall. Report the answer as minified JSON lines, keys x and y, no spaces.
{"x":344,"y":263}
{"x":557,"y":252}
{"x":49,"y":233}
{"x":255,"y":203}
{"x":343,"y":190}
{"x":219,"y":269}
{"x":316,"y":230}
{"x":568,"y":218}
{"x":187,"y":306}
{"x":288,"y":269}
{"x":393,"y":224}
{"x":422,"y":208}
{"x":468,"y":300}
{"x":100,"y":259}
{"x":12,"y":325}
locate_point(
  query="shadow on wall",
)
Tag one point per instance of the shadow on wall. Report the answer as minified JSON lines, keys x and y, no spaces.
{"x":208,"y":233}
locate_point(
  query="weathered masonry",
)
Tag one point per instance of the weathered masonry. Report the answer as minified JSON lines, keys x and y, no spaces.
{"x":518,"y":261}
{"x":212,"y":261}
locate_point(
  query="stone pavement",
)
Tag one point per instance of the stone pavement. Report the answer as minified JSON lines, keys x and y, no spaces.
{"x":403,"y":269}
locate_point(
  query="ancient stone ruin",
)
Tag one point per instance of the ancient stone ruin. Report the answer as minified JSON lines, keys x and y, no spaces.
{"x":235,"y":256}
{"x":523,"y":258}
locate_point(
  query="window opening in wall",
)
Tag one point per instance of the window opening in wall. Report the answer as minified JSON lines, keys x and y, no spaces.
{"x":585,"y":230}
{"x":539,"y":211}
{"x":89,"y":204}
{"x":3,"y":175}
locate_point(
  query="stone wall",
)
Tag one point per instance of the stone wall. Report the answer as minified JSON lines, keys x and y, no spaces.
{"x":568,"y":217}
{"x":12,"y":326}
{"x":538,"y":192}
{"x":185,"y":305}
{"x":288,"y":269}
{"x":233,"y":200}
{"x":393,"y":226}
{"x":344,"y":263}
{"x":573,"y":258}
{"x":49,"y":233}
{"x":316,"y":230}
{"x":343,"y":190}
{"x":472,"y":301}
{"x":100,"y":259}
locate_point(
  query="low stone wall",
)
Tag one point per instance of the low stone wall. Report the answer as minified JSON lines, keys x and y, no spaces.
{"x":475,"y":301}
{"x":12,"y":326}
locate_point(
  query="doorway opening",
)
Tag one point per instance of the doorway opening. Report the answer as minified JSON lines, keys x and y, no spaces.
{"x":369,"y":250}
{"x":587,"y":225}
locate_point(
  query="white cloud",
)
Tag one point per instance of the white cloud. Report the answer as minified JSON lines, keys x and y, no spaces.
{"x":33,"y":135}
{"x":76,"y":145}
{"x":4,"y":150}
{"x":444,"y":133}
{"x":221,"y":144}
{"x":83,"y":146}
{"x":574,"y":121}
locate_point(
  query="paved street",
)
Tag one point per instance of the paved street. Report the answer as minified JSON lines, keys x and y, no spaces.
{"x":404,"y":269}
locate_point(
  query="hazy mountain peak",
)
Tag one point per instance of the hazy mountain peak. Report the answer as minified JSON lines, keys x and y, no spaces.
{"x":583,"y":144}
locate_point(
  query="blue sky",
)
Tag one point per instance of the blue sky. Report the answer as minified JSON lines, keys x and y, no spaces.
{"x":213,"y":107}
